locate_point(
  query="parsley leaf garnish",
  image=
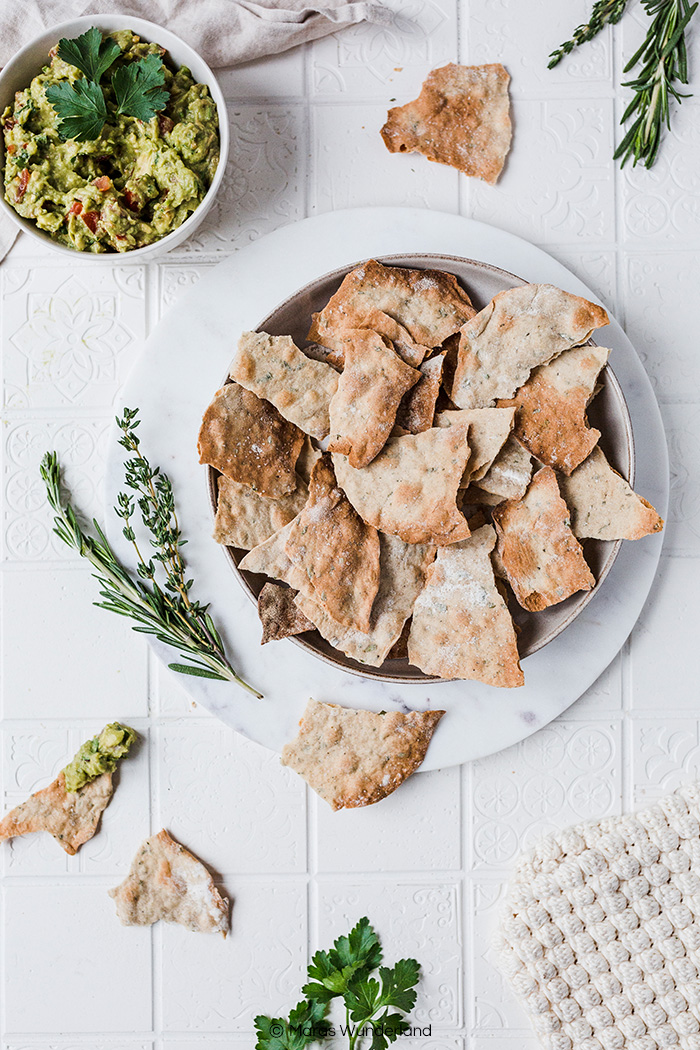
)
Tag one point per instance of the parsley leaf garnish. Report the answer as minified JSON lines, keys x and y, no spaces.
{"x":89,"y":53}
{"x":80,"y":108}
{"x":305,"y":1026}
{"x":139,"y":88}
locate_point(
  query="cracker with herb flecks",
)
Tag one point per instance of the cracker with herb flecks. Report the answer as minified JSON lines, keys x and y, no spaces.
{"x":417,"y":408}
{"x":168,"y":882}
{"x":247,"y":439}
{"x":245,"y":518}
{"x":460,"y":118}
{"x":509,"y":475}
{"x":461,"y":626}
{"x":335,"y":550}
{"x":550,"y":418}
{"x":540,"y":554}
{"x":410,"y":489}
{"x":279,"y":615}
{"x":275,"y":369}
{"x":72,"y":817}
{"x":363,"y":408}
{"x":602,"y":504}
{"x":269,"y":559}
{"x":429,"y":304}
{"x":384,"y":325}
{"x":488,"y":431}
{"x":402,"y":574}
{"x":355,"y":758}
{"x":519,"y":329}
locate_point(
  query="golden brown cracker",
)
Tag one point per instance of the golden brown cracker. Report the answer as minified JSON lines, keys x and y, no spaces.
{"x":602,"y":504}
{"x":509,"y":475}
{"x":72,"y":817}
{"x":279,"y":615}
{"x":417,"y":409}
{"x":245,"y":518}
{"x":488,"y":431}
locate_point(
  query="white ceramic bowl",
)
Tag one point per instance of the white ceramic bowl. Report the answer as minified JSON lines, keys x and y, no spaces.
{"x":25,"y":65}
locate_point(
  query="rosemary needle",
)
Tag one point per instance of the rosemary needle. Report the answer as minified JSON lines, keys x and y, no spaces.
{"x":605,"y":12}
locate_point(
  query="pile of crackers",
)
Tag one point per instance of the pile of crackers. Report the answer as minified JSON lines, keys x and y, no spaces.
{"x":459,"y":473}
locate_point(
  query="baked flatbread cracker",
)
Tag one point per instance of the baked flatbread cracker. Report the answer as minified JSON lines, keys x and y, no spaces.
{"x":429,"y":304}
{"x":363,"y":408}
{"x":384,"y":325}
{"x":275,"y":369}
{"x":402,"y":569}
{"x":476,"y":497}
{"x":539,"y":552}
{"x":509,"y":475}
{"x":488,"y":430}
{"x":461,"y":626}
{"x":602,"y":504}
{"x":355,"y":758}
{"x":279,"y":615}
{"x":337,"y":552}
{"x":550,"y":419}
{"x":460,"y":118}
{"x":247,"y":439}
{"x":245,"y":518}
{"x":519,"y":329}
{"x":167,"y":882}
{"x":270,"y":559}
{"x":417,"y":408}
{"x":308,"y":458}
{"x":410,"y":489}
{"x":71,"y":817}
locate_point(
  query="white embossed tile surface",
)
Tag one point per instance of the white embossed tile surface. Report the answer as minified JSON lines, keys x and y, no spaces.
{"x":428,"y":863}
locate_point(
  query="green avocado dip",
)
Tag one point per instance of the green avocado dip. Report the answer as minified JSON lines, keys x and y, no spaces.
{"x":99,"y":755}
{"x":134,"y":183}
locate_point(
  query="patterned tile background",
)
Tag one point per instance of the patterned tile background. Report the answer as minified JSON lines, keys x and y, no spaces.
{"x":427,"y":864}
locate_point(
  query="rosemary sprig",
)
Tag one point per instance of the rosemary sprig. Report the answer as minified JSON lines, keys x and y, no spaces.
{"x":664,"y":61}
{"x":605,"y":12}
{"x":168,"y":613}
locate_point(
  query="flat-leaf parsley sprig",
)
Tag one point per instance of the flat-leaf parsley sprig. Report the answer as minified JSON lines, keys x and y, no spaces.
{"x":167,"y":612}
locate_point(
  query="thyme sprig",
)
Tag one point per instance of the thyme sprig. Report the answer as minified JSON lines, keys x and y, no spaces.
{"x":605,"y":12}
{"x":167,"y":612}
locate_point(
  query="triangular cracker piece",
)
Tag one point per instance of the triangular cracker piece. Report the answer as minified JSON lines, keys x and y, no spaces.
{"x":509,"y":475}
{"x":402,"y":568}
{"x":270,"y":559}
{"x":355,"y":758}
{"x":550,"y":418}
{"x":408,"y":350}
{"x":363,"y":408}
{"x":279,"y":615}
{"x":247,"y":439}
{"x":488,"y":430}
{"x":71,"y":817}
{"x":430,"y":304}
{"x":519,"y":329}
{"x":539,"y":552}
{"x":167,"y":882}
{"x":410,"y":489}
{"x":460,"y":118}
{"x":275,"y":369}
{"x":461,"y":626}
{"x":335,"y":550}
{"x":417,"y":409}
{"x":602,"y":504}
{"x":245,"y":518}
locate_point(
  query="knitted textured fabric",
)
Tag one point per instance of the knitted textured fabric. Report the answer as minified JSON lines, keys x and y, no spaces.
{"x":601,"y":938}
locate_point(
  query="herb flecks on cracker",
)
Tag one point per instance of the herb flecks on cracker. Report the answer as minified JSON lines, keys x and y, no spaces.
{"x":602,"y":504}
{"x":355,"y":758}
{"x":72,"y":817}
{"x":489,"y":429}
{"x":460,"y":118}
{"x":509,"y":475}
{"x":279,"y":615}
{"x":245,"y":518}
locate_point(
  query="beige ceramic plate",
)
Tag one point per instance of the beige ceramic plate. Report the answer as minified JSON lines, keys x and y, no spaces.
{"x":608,"y":413}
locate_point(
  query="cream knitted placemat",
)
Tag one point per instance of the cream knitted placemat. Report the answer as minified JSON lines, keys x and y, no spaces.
{"x":601,"y":937}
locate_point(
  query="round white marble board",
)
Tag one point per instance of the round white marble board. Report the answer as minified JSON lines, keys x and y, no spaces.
{"x":182,"y":365}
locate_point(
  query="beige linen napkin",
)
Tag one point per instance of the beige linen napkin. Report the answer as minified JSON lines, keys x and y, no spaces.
{"x":224,"y":32}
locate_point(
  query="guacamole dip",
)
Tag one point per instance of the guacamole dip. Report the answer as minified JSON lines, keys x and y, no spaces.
{"x":131,"y":186}
{"x":99,"y":755}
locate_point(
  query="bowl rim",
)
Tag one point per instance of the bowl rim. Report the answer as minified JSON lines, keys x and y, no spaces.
{"x":347,"y":663}
{"x":150,"y":32}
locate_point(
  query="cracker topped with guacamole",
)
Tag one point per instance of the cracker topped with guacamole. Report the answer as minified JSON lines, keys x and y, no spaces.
{"x":136,"y":178}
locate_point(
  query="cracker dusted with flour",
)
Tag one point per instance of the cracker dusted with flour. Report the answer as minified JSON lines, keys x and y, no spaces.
{"x":245,"y":518}
{"x":509,"y":475}
{"x":363,"y":409}
{"x":417,"y":408}
{"x":386,"y":327}
{"x":410,"y":489}
{"x":461,"y":626}
{"x":355,"y":758}
{"x":247,"y":439}
{"x":460,"y":118}
{"x":550,"y":418}
{"x":270,"y":559}
{"x":402,"y":574}
{"x":168,"y":882}
{"x":519,"y":329}
{"x":308,"y":458}
{"x":429,"y":304}
{"x":72,"y":817}
{"x":488,"y":431}
{"x":275,"y":369}
{"x":540,"y":554}
{"x":602,"y":504}
{"x":337,"y":552}
{"x":279,"y":615}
